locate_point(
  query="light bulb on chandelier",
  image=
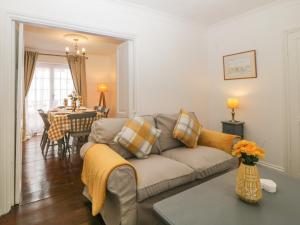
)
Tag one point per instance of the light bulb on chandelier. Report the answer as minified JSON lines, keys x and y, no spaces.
{"x":67,"y":49}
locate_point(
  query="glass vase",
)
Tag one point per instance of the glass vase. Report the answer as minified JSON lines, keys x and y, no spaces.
{"x":248,"y":183}
{"x":65,"y":102}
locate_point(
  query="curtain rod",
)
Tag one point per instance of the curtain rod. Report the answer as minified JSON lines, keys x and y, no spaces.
{"x":48,"y":54}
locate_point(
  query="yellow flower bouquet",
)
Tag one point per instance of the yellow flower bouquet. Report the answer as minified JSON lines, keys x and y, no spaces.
{"x":248,"y":151}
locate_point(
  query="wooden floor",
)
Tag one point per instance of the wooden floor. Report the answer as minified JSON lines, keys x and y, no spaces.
{"x":51,"y":190}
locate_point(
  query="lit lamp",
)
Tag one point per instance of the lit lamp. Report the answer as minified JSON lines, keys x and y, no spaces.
{"x":232,"y":103}
{"x":102,"y":88}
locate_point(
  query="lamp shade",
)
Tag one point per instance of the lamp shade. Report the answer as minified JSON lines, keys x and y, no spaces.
{"x":102,"y":88}
{"x":232,"y":103}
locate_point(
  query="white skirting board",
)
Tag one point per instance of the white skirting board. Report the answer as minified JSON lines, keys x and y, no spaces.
{"x":272,"y":166}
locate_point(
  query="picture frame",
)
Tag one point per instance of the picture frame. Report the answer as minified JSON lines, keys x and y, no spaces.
{"x":240,"y":65}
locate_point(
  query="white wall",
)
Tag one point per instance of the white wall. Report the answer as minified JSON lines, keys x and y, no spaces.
{"x":262,"y":104}
{"x":101,"y":69}
{"x":170,"y":69}
{"x":171,"y":53}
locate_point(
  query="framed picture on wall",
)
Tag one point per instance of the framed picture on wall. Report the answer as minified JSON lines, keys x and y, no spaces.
{"x":240,"y":65}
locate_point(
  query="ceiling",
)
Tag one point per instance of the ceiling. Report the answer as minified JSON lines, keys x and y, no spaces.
{"x":206,"y":12}
{"x":53,"y":40}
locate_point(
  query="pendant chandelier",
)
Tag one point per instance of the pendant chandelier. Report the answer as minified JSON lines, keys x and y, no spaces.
{"x":75,"y":39}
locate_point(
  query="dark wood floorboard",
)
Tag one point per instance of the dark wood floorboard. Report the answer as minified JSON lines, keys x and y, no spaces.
{"x":51,"y":190}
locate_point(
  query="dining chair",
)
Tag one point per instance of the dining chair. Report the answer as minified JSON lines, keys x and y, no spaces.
{"x":45,"y":120}
{"x":103,"y":110}
{"x":45,"y":141}
{"x":80,"y":128}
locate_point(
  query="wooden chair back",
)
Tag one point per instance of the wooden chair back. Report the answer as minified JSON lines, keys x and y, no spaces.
{"x":81,"y":123}
{"x":44,"y":117}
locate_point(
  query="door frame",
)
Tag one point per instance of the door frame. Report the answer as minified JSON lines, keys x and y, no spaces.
{"x":288,"y":111}
{"x":19,"y":110}
{"x":9,"y":171}
{"x":127,"y":111}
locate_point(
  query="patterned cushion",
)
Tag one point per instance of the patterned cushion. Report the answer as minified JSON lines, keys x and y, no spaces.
{"x":105,"y":130}
{"x":166,"y":123}
{"x":187,"y":129}
{"x":138,"y":136}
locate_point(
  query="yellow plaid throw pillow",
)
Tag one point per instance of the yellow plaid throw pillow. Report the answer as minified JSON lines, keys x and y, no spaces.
{"x":138,"y":136}
{"x":187,"y":129}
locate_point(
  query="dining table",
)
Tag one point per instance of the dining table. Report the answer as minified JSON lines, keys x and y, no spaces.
{"x":59,"y":122}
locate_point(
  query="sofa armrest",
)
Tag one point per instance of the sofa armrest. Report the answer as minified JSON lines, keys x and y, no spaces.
{"x":218,"y":140}
{"x":120,"y":207}
{"x":85,"y":147}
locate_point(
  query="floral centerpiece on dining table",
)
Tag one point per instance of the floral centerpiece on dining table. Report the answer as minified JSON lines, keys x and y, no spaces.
{"x":248,"y":180}
{"x":74,"y":98}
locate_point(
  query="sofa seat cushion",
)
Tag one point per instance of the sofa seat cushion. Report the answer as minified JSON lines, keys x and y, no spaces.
{"x":157,"y":174}
{"x":204,"y":160}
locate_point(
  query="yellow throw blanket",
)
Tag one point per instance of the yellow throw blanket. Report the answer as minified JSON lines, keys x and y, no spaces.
{"x":99,"y":162}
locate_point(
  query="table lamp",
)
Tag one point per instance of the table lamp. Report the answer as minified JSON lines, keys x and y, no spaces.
{"x":232,"y":103}
{"x":102,"y":88}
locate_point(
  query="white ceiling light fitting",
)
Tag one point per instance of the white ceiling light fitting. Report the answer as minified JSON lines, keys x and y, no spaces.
{"x":75,"y":39}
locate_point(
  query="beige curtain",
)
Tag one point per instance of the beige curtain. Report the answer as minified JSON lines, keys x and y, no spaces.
{"x":77,"y":67}
{"x":30,"y":59}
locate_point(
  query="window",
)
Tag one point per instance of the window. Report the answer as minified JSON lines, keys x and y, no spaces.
{"x":62,"y":85}
{"x":51,"y":83}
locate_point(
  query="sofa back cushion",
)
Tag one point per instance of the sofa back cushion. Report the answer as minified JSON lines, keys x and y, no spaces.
{"x":166,"y":123}
{"x":104,"y":131}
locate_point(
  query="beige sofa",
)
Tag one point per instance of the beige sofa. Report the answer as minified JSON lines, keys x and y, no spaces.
{"x":171,"y":168}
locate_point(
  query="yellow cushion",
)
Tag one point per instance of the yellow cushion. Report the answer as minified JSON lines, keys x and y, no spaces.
{"x":138,"y":136}
{"x":187,"y":129}
{"x":218,"y":140}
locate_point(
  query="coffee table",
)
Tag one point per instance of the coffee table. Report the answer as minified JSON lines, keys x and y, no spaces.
{"x":215,"y":203}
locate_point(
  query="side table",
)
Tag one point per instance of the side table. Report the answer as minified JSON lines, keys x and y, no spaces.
{"x":233,"y":127}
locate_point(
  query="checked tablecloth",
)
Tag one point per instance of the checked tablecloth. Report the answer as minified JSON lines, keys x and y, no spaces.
{"x":59,"y":125}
